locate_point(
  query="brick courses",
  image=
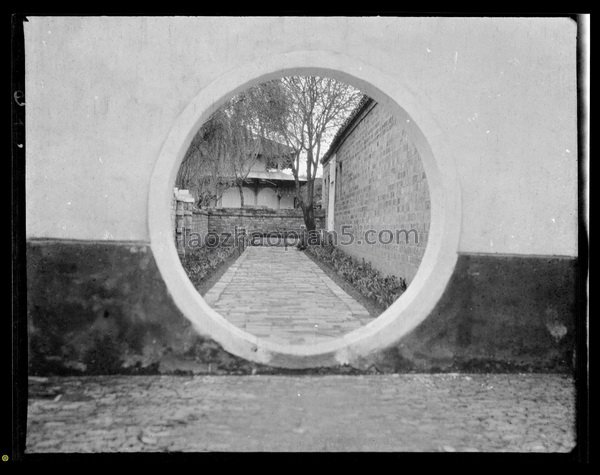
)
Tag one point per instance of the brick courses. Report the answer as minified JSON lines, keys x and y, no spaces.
{"x":223,"y":221}
{"x":381,"y":186}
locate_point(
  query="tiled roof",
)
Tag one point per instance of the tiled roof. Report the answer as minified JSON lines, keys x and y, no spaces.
{"x":365,"y":102}
{"x":273,"y":175}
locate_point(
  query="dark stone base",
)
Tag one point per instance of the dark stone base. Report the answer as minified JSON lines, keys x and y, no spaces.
{"x":103,"y":308}
{"x":498,"y":313}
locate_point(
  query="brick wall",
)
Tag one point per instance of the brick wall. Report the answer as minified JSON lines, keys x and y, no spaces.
{"x":197,"y":223}
{"x":382,"y":185}
{"x":253,"y":220}
{"x":200,"y":221}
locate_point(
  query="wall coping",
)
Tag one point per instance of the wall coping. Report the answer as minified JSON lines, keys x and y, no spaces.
{"x":256,"y":212}
{"x":203,"y":211}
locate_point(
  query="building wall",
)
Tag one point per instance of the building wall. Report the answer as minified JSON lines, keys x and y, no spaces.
{"x":226,"y":220}
{"x":288,"y":194}
{"x":287,"y":201}
{"x":382,"y":187}
{"x":265,"y":196}
{"x":231,"y":197}
{"x":500,"y":95}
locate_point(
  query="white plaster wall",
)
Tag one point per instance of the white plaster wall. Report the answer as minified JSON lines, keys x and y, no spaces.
{"x":286,"y":202}
{"x":103,"y":93}
{"x":231,"y":198}
{"x":267,"y":197}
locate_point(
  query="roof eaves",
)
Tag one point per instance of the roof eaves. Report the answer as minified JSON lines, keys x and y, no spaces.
{"x":364,"y":103}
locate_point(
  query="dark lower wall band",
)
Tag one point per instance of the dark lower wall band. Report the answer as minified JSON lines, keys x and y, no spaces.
{"x":103,"y":308}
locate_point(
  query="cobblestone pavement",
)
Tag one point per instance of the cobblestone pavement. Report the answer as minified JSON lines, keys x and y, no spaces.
{"x":406,"y":413}
{"x":282,"y":295}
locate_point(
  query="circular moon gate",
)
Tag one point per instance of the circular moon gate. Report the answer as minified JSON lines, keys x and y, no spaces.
{"x":440,"y":255}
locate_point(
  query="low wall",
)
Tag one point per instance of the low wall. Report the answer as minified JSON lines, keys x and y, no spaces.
{"x":257,"y":220}
{"x":191,"y":225}
{"x":199,"y":222}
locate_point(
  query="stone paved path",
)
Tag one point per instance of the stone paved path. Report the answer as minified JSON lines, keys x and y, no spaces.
{"x":406,"y":413}
{"x":282,"y":295}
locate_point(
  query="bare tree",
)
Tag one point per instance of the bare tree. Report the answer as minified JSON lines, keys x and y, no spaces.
{"x":303,"y":112}
{"x":316,"y":108}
